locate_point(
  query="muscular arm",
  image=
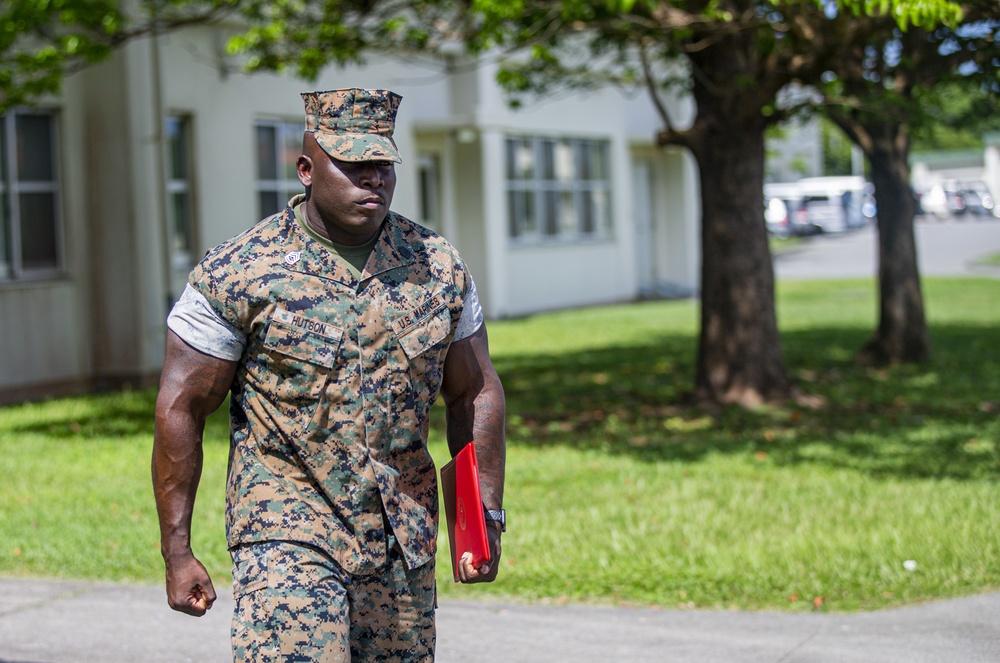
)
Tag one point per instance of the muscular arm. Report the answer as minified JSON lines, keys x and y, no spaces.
{"x":475,"y":410}
{"x":192,"y":386}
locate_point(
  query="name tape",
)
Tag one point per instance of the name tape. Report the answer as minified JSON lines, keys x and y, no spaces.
{"x":306,"y":324}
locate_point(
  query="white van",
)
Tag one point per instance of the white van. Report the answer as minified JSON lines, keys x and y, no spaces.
{"x":823,"y":204}
{"x":835,"y":204}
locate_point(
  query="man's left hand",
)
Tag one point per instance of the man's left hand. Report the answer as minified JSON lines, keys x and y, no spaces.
{"x":487,"y":571}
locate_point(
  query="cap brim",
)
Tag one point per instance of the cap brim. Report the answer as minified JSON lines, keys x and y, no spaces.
{"x":358,"y":147}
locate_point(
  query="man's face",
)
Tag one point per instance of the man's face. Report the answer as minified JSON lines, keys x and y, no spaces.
{"x":349,"y":199}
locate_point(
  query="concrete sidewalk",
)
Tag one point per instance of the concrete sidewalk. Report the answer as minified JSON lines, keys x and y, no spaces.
{"x":76,"y":622}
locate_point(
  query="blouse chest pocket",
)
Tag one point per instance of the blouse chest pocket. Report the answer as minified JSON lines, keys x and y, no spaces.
{"x":296,"y":356}
{"x":304,"y":339}
{"x":424,"y":327}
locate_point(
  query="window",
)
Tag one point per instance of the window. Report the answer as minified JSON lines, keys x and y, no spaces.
{"x":279,"y":145}
{"x":180,"y":194}
{"x":557,"y":189}
{"x":428,"y":173}
{"x":30,"y":231}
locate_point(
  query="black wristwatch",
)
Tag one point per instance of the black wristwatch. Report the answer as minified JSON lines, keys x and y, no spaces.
{"x":497,"y":516}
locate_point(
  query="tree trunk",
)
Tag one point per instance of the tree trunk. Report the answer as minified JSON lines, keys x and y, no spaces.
{"x":902,"y":331}
{"x":739,"y":351}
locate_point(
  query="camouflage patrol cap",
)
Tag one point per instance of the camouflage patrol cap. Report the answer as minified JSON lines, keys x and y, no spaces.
{"x":353,"y":124}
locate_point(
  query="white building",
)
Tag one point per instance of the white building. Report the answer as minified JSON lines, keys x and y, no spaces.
{"x":565,"y":203}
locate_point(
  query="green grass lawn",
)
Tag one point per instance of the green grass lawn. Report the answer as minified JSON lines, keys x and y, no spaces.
{"x":619,"y":492}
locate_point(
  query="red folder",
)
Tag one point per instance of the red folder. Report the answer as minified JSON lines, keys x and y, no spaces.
{"x":463,"y":508}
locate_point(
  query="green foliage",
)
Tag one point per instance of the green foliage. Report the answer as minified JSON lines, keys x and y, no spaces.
{"x":618,"y":489}
{"x":926,"y":14}
{"x":959,"y":112}
{"x":41,"y":41}
{"x":837,"y":158}
{"x":305,"y":37}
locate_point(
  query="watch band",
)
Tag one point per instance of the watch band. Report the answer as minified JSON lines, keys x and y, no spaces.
{"x":497,"y":516}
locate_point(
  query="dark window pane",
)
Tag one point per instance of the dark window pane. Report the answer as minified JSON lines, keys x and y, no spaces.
{"x":182,"y":221}
{"x":34,"y":148}
{"x":513,"y":213}
{"x":4,"y":234}
{"x":293,"y":148}
{"x":270,"y":203}
{"x":550,"y":215}
{"x":267,"y":155}
{"x":548,"y":160}
{"x":430,"y":212}
{"x":4,"y":205}
{"x":530,"y":222}
{"x":599,"y":162}
{"x":569,"y":224}
{"x":557,"y":161}
{"x":602,"y":210}
{"x":522,"y":213}
{"x":38,"y":231}
{"x":177,"y":132}
{"x":3,"y":154}
{"x":587,"y":214}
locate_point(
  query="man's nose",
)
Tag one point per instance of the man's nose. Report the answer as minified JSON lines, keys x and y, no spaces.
{"x":371,"y":174}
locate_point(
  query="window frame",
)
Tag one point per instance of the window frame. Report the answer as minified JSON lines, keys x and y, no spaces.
{"x":285,"y":188}
{"x":536,"y":204}
{"x":431,"y":199}
{"x":12,"y":269}
{"x":182,"y":260}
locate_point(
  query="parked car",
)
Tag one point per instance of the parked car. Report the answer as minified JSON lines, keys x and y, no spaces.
{"x":976,"y":198}
{"x":956,"y":199}
{"x":837,"y":204}
{"x":784,"y":213}
{"x":776,"y":217}
{"x":788,"y":218}
{"x":821,"y":204}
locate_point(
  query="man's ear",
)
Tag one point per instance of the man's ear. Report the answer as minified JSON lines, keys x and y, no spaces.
{"x":303,"y":167}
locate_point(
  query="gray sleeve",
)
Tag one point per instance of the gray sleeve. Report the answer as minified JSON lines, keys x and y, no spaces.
{"x":472,"y":314}
{"x":196,"y":322}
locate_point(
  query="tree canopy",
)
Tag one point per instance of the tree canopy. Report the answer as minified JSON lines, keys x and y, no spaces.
{"x":42,"y":41}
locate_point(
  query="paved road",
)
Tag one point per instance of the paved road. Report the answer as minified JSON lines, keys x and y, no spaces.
{"x":76,"y":622}
{"x":948,"y":248}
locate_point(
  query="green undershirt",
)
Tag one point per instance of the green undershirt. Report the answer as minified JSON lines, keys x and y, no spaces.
{"x":355,"y":257}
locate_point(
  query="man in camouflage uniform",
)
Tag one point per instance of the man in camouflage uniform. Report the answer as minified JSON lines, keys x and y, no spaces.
{"x":334,"y":325}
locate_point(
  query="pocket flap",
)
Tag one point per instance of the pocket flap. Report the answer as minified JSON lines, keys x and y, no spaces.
{"x":423,"y":327}
{"x":303,"y":338}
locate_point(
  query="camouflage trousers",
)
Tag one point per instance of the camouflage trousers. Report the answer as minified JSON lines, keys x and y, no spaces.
{"x":293,"y":603}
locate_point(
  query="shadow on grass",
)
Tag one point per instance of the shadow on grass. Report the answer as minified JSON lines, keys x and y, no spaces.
{"x":936,"y":420}
{"x":105,"y":415}
{"x":110,"y":416}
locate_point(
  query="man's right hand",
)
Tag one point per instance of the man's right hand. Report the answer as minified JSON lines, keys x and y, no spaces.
{"x":189,"y":589}
{"x":192,"y":386}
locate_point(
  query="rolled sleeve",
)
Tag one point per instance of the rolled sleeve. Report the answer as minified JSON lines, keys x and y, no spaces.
{"x":472,"y":314}
{"x":194,"y":320}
